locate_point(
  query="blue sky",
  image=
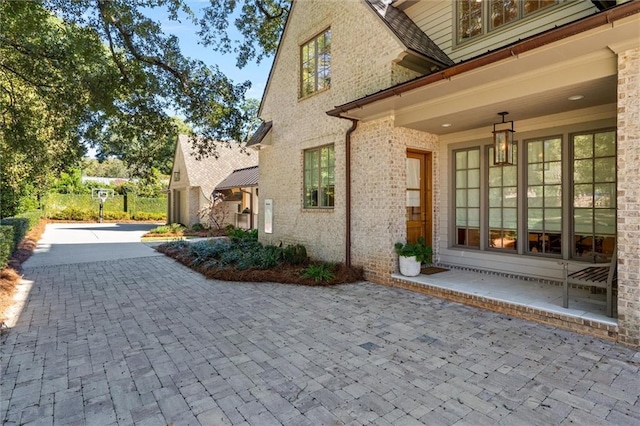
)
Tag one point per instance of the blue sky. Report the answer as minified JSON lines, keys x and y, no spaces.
{"x":190,"y":46}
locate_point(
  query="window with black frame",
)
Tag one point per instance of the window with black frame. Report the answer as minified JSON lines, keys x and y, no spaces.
{"x":544,"y":196}
{"x":467,"y":201}
{"x":319,"y":177}
{"x":315,"y":64}
{"x":594,"y":195}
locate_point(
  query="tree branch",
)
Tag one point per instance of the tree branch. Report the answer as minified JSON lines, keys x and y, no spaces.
{"x":127,"y":38}
{"x":266,"y":13}
{"x":119,"y":64}
{"x":26,"y":79}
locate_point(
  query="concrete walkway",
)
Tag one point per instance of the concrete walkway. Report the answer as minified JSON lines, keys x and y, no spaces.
{"x":66,"y":243}
{"x":144,"y":340}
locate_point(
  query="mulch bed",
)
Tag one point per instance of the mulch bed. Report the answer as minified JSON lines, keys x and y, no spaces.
{"x":10,"y":275}
{"x":204,"y":234}
{"x":285,"y":274}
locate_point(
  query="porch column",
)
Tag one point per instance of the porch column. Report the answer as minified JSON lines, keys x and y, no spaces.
{"x":629,"y":196}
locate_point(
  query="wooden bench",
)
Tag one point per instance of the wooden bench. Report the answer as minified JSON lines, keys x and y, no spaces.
{"x":602,"y":276}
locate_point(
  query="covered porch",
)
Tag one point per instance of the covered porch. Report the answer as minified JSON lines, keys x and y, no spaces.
{"x":537,"y":300}
{"x":567,"y":195}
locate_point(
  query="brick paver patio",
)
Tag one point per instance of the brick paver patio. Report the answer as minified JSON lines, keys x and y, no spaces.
{"x":147,"y":341}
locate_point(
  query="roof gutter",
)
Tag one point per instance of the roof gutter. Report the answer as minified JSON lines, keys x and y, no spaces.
{"x":591,"y":22}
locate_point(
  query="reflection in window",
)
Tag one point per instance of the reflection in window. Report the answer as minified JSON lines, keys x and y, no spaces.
{"x":594,"y":195}
{"x":467,"y":166}
{"x":413,"y":189}
{"x":544,"y":196}
{"x":503,"y":204}
{"x":530,"y":6}
{"x":315,"y":64}
{"x":469,"y":18}
{"x":503,"y":12}
{"x":476,"y":17}
{"x":319,"y":168}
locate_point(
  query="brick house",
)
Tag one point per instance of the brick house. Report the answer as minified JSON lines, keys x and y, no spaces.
{"x":388,"y":135}
{"x":193,"y":180}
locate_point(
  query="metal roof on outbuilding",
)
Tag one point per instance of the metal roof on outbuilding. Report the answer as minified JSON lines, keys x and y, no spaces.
{"x":241,"y":178}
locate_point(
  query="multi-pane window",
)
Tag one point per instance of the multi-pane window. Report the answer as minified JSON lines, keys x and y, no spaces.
{"x":503,"y":204}
{"x":319,"y":177}
{"x":502,"y":12}
{"x":594,"y":195}
{"x":467,"y":185}
{"x":315,"y":64}
{"x":544,"y":196}
{"x":475,"y":17}
{"x":470,"y":19}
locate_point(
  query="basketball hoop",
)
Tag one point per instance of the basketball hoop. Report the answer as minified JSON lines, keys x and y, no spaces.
{"x":103,"y":195}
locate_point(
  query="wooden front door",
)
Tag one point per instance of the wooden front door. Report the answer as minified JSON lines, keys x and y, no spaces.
{"x":419,"y":196}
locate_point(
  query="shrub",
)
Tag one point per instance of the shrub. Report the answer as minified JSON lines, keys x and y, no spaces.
{"x":148,"y":216}
{"x":115,"y":215}
{"x":295,"y":254}
{"x":19,"y":225}
{"x":320,"y":272}
{"x":240,"y":254}
{"x":197,"y":227}
{"x":33,"y":216}
{"x":263,"y":257}
{"x":239,"y":233}
{"x":173,"y":228}
{"x":6,"y":243}
{"x":72,"y":213}
{"x":177,"y":245}
{"x":204,"y":251}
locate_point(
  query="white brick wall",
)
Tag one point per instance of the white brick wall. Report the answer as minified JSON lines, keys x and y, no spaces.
{"x":361,"y":64}
{"x":629,"y":196}
{"x":378,"y":192}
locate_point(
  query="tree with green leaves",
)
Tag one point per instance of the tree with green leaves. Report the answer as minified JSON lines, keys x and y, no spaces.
{"x":102,"y":73}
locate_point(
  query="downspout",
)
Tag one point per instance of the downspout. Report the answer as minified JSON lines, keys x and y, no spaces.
{"x":347,"y":140}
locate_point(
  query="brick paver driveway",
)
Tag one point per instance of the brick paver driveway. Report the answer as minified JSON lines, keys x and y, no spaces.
{"x":147,"y":341}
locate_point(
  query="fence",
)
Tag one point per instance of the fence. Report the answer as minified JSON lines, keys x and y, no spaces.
{"x":83,"y":207}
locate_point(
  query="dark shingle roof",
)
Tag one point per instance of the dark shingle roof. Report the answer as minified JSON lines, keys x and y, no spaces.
{"x":260,"y":134}
{"x":409,"y":33}
{"x":240,"y":178}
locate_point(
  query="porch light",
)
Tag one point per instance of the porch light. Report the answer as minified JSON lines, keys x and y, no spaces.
{"x":503,"y":142}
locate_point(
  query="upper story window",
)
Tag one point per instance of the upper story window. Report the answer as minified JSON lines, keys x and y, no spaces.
{"x":477,"y":17}
{"x":315,"y":64}
{"x":319,"y":177}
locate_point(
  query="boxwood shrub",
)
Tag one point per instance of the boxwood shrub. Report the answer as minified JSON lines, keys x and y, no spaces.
{"x":6,"y":243}
{"x":21,"y":224}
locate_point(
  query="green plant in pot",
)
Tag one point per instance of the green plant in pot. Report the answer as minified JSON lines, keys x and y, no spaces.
{"x":412,"y":255}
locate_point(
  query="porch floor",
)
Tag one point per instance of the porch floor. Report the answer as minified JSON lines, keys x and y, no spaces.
{"x":542,"y":296}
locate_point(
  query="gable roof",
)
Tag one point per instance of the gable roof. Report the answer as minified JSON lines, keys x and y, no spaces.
{"x":409,"y":33}
{"x":208,"y":172}
{"x":260,"y":134}
{"x":241,"y":178}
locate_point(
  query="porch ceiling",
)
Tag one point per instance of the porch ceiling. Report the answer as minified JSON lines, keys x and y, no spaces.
{"x":534,"y":84}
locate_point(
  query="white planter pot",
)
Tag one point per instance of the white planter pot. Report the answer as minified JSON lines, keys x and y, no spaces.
{"x":409,"y":266}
